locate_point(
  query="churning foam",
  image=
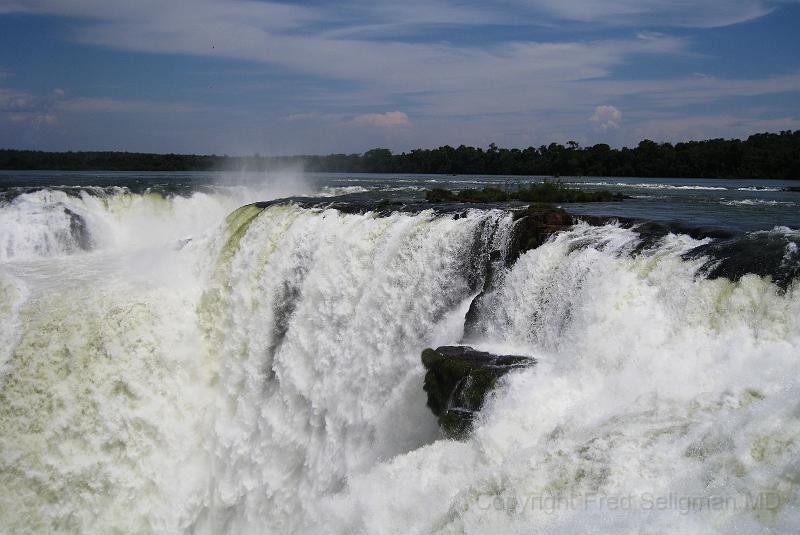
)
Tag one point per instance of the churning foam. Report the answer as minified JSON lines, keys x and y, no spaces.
{"x":267,"y":379}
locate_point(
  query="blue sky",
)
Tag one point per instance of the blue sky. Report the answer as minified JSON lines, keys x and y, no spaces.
{"x":240,"y":77}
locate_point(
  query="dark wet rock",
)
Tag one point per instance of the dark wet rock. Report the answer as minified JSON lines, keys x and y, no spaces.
{"x":383,"y":207}
{"x":387,"y":203}
{"x":79,"y":230}
{"x":775,"y":254}
{"x":480,"y":260}
{"x":534,"y":225}
{"x":652,"y":232}
{"x":459,"y":378}
{"x":537,"y":229}
{"x":183,"y":242}
{"x":698,"y":232}
{"x":795,"y":189}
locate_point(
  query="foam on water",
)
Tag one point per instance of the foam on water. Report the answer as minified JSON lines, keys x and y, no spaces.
{"x":12,"y":295}
{"x":332,"y":191}
{"x":756,"y":202}
{"x":265,"y":378}
{"x":759,"y":188}
{"x":648,"y":185}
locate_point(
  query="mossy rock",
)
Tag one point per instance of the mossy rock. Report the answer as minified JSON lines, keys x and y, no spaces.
{"x":458,"y":381}
{"x":437,"y":195}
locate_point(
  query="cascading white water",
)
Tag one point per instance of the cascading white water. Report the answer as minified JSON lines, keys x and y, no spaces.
{"x":320,"y":318}
{"x":59,"y":222}
{"x":674,"y":395}
{"x":267,"y":380}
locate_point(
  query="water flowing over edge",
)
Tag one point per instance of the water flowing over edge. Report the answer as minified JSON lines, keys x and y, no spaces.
{"x":264,"y":375}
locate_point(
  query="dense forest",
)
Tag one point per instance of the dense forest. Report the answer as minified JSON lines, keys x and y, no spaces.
{"x":759,"y":156}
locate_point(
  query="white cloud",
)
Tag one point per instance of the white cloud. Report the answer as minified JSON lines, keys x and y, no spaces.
{"x":46,"y":119}
{"x":695,"y":89}
{"x":661,"y":13}
{"x":23,"y":108}
{"x":682,"y":128}
{"x":288,"y":36}
{"x":357,"y":17}
{"x":111,"y":105}
{"x":503,"y":87}
{"x":435,"y":78}
{"x":390,"y":119}
{"x":606,"y":117}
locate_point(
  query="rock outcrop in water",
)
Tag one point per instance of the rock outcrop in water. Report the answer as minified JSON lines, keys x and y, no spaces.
{"x":775,"y":254}
{"x":534,"y":225}
{"x":458,"y":380}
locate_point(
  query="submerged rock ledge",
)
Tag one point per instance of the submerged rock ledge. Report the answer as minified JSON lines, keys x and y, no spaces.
{"x":458,"y":380}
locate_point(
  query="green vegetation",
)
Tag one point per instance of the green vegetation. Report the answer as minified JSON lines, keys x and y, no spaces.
{"x":759,"y":156}
{"x":543,"y":192}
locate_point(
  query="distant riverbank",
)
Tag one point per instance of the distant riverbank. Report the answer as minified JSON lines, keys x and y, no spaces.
{"x":761,"y":156}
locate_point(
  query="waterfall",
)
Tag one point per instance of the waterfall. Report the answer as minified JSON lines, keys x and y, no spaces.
{"x":265,"y":376}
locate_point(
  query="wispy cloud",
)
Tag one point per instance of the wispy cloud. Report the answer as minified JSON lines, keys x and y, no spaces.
{"x":111,"y":105}
{"x":21,"y":108}
{"x":696,"y":89}
{"x":660,"y":13}
{"x":703,"y":126}
{"x":357,"y":56}
{"x":46,"y":110}
{"x":435,"y":77}
{"x":390,"y":119}
{"x":289,"y":36}
{"x":438,"y":77}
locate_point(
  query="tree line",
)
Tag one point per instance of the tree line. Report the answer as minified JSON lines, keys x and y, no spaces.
{"x":767,"y":155}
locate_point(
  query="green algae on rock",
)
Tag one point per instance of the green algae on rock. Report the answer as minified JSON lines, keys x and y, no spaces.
{"x":458,"y":379}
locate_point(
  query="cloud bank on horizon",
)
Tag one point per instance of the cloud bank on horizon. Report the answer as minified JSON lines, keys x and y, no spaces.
{"x":243,"y":76}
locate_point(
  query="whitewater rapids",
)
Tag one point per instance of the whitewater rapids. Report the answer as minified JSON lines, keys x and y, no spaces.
{"x":187,"y":364}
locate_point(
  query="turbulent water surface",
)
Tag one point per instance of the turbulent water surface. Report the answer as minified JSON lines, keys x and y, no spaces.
{"x":175,"y":359}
